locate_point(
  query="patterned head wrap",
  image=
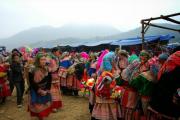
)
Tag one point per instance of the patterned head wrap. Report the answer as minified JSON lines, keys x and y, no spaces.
{"x":144,"y":53}
{"x":172,"y":62}
{"x":65,"y":54}
{"x":133,"y":58}
{"x":123,"y":52}
{"x":163,"y":56}
{"x":38,"y":57}
{"x":93,"y":56}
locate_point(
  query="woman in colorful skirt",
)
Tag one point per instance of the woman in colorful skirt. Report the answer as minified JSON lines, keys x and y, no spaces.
{"x":40,"y":85}
{"x":79,"y":76}
{"x":144,"y":85}
{"x":122,"y":63}
{"x":164,"y":103}
{"x":70,"y":78}
{"x":4,"y":83}
{"x":130,"y":96}
{"x":106,"y":107}
{"x":55,"y":84}
{"x":80,"y":73}
{"x":65,"y":63}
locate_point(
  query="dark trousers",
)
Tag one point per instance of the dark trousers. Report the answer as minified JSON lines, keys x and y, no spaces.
{"x":2,"y":100}
{"x":19,"y":91}
{"x":11,"y":85}
{"x":75,"y":92}
{"x":92,"y":118}
{"x":64,"y":90}
{"x":91,"y":108}
{"x":10,"y":78}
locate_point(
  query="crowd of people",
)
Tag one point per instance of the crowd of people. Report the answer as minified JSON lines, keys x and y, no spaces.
{"x":120,"y":85}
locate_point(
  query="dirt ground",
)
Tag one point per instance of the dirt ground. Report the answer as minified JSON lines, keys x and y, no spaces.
{"x":74,"y":108}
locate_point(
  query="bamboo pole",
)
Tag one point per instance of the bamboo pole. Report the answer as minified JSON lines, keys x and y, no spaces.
{"x":176,"y":14}
{"x":170,"y":19}
{"x":162,"y":27}
{"x":142,"y":34}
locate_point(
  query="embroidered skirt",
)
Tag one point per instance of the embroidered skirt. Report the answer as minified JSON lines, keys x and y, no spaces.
{"x":106,"y":110}
{"x":39,"y":106}
{"x":56,"y":95}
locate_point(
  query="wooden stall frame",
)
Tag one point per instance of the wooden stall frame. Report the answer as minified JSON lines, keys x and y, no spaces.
{"x":146,"y":23}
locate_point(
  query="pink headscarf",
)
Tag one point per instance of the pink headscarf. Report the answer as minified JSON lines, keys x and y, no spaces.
{"x":100,"y":59}
{"x":84,"y":55}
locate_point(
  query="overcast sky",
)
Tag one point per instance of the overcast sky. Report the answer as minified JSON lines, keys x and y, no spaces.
{"x":18,"y":15}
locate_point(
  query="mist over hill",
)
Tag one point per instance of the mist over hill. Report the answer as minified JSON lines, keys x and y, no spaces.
{"x":47,"y":36}
{"x":122,"y":35}
{"x":47,"y":33}
{"x":151,"y":31}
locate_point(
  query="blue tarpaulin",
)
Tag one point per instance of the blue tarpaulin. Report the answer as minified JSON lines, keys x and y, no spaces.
{"x":122,"y":42}
{"x":173,"y":45}
{"x":96,"y":43}
{"x":125,"y":42}
{"x":138,"y":40}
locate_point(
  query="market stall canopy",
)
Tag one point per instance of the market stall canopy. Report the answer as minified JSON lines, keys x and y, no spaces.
{"x":122,"y":42}
{"x":138,"y":40}
{"x":173,"y":45}
{"x":94,"y":43}
{"x":125,"y":42}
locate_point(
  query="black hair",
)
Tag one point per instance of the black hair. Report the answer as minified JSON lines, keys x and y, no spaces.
{"x":54,"y":50}
{"x":15,"y":50}
{"x":176,"y":49}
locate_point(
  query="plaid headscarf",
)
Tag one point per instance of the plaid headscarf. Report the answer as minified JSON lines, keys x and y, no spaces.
{"x":38,"y":57}
{"x":172,"y":62}
{"x":144,"y":54}
{"x":132,"y":58}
